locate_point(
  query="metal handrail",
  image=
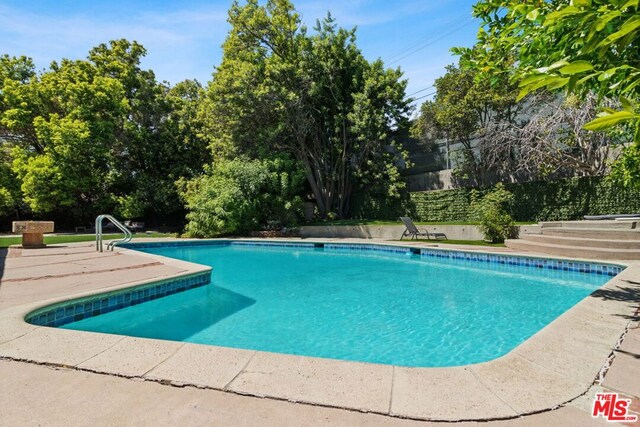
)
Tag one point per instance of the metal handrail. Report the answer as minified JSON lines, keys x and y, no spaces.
{"x":127,"y":233}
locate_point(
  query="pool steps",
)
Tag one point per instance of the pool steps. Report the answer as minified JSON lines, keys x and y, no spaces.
{"x":602,"y":240}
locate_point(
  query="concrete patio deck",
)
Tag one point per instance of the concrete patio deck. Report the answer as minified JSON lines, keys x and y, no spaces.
{"x":550,"y":379}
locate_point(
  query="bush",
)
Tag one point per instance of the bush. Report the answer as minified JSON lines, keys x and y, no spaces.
{"x":492,"y":211}
{"x":240,"y":195}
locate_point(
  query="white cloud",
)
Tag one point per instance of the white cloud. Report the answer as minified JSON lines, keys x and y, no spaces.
{"x":360,"y":12}
{"x":169,"y":37}
{"x":184,"y":41}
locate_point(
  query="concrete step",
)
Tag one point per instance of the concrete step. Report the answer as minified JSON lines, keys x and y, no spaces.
{"x":582,"y":242}
{"x":573,"y":251}
{"x":604,"y":224}
{"x":592,"y":233}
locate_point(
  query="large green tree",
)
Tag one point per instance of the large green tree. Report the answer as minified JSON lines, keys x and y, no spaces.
{"x":99,"y":134}
{"x":580,"y":46}
{"x":60,"y":123}
{"x":313,"y":96}
{"x":467,"y":110}
{"x":21,"y":70}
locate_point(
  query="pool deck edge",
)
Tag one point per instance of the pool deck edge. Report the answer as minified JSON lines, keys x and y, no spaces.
{"x":559,"y":364}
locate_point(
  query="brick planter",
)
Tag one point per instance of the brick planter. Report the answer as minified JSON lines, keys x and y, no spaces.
{"x":32,"y":232}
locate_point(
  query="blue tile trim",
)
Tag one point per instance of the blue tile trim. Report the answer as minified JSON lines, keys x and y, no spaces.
{"x":174,"y":243}
{"x":74,"y":310}
{"x":179,"y":243}
{"x":277,"y":244}
{"x":549,"y":263}
{"x":365,"y":247}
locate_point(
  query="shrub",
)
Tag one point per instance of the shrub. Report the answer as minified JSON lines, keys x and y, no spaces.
{"x":492,"y":210}
{"x":240,"y":195}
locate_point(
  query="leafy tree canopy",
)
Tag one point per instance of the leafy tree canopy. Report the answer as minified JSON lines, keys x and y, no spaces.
{"x":464,"y":108}
{"x":312,"y":96}
{"x":580,"y":46}
{"x":98,"y":134}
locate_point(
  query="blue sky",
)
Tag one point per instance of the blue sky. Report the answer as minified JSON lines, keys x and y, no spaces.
{"x":183,"y":38}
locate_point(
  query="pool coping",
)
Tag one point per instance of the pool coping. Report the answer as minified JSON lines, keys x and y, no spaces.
{"x":555,"y":366}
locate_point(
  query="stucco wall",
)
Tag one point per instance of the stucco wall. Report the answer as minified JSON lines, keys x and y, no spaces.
{"x":394,"y":232}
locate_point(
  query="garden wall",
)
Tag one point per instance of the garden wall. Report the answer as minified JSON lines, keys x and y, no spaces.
{"x":394,"y":232}
{"x":567,"y":199}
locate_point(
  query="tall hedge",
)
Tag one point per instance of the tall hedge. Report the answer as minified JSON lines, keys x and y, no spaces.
{"x":533,"y":201}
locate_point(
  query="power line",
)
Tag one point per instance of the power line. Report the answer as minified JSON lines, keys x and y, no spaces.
{"x":425,"y":37}
{"x":423,"y":96}
{"x":421,"y":90}
{"x":424,"y":45}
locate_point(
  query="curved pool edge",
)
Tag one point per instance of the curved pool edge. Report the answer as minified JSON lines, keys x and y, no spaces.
{"x":549,"y":369}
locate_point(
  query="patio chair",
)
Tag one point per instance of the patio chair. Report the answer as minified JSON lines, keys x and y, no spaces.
{"x":412,"y":230}
{"x":134,"y":226}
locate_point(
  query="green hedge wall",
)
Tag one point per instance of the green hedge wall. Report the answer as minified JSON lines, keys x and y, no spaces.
{"x":443,"y":205}
{"x":533,"y":201}
{"x":368,"y":206}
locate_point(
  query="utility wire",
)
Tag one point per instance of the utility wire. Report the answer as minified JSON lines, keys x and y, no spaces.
{"x":425,"y":37}
{"x":421,"y":90}
{"x":429,"y":43}
{"x":424,"y":96}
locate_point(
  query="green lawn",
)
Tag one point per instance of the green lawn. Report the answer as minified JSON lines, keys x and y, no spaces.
{"x":458,"y":242}
{"x":72,"y":238}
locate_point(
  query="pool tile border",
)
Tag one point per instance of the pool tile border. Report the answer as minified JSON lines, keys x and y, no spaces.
{"x":83,"y":308}
{"x":75,"y":310}
{"x":548,"y":263}
{"x":374,"y":248}
{"x":205,"y":242}
{"x":601,"y":268}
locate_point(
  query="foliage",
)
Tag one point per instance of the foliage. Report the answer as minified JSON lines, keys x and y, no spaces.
{"x":53,"y":177}
{"x":492,"y":211}
{"x":540,"y":137}
{"x":465,"y":107}
{"x":239,"y":195}
{"x":10,"y":195}
{"x":624,"y":170}
{"x":564,"y":199}
{"x":6,"y":201}
{"x":129,"y":206}
{"x":98,"y":134}
{"x":167,"y":148}
{"x":462,"y":105}
{"x":578,"y":46}
{"x":312,"y":96}
{"x":367,"y":205}
{"x":551,"y":143}
{"x":442,"y":205}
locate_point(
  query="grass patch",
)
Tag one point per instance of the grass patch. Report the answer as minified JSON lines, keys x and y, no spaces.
{"x":74,"y":238}
{"x":459,"y":242}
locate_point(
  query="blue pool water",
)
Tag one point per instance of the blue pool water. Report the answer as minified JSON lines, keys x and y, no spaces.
{"x":400,"y":309}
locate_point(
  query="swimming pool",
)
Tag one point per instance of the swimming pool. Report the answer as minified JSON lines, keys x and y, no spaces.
{"x":389,"y":305}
